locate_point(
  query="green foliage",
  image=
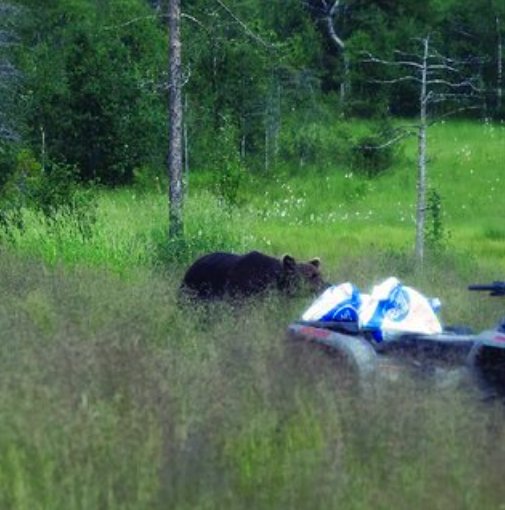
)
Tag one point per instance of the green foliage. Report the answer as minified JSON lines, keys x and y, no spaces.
{"x":94,"y":77}
{"x":149,"y":179}
{"x":315,"y":144}
{"x":226,"y":167}
{"x":92,"y":84}
{"x":9,"y":73}
{"x":246,"y":76}
{"x":436,"y":233}
{"x":208,"y":227}
{"x":52,"y":189}
{"x":374,"y":153}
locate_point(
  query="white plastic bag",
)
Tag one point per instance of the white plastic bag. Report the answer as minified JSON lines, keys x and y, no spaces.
{"x":393,"y":308}
{"x":337,"y":303}
{"x":389,"y":310}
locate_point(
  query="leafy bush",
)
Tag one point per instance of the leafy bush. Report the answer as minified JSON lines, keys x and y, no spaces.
{"x":228,"y":171}
{"x":51,"y":189}
{"x":313,"y":143}
{"x":366,"y":108}
{"x":208,"y":227}
{"x":148,"y":178}
{"x":93,"y":83}
{"x":437,"y":235}
{"x":370,"y":155}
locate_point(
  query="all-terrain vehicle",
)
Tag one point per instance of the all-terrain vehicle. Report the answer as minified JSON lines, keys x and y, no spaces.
{"x":453,"y":355}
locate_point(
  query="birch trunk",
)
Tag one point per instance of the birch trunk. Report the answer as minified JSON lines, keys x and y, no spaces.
{"x":272,"y":120}
{"x":339,"y":43}
{"x":175,"y":131}
{"x":421,"y":162}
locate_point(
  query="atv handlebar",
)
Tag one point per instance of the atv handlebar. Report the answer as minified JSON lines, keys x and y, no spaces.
{"x":495,"y":288}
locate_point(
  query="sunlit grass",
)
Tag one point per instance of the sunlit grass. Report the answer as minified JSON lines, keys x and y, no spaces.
{"x":332,"y":212}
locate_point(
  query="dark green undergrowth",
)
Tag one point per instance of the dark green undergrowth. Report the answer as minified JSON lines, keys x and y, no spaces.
{"x":113,"y":397}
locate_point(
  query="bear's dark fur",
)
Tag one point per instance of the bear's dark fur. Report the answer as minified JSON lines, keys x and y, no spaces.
{"x":221,"y":274}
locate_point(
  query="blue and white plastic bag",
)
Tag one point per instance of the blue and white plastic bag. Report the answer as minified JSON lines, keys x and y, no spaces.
{"x":339,"y":303}
{"x":389,"y":310}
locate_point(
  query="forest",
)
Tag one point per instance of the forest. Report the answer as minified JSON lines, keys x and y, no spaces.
{"x":370,"y":134}
{"x":84,"y":83}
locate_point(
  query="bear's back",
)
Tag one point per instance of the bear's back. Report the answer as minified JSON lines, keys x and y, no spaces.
{"x":254,"y":272}
{"x":208,"y":275}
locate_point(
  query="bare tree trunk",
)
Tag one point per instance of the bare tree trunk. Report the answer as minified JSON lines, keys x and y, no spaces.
{"x":499,"y":71}
{"x":421,"y":162}
{"x":331,"y":12}
{"x":175,"y":114}
{"x":242,"y":148}
{"x":345,"y":85}
{"x":272,"y":120}
{"x":186,"y":144}
{"x":43,"y":148}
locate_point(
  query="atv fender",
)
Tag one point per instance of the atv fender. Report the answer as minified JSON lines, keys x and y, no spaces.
{"x":356,"y":353}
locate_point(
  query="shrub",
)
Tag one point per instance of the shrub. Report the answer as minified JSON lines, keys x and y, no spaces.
{"x":313,"y":144}
{"x":437,"y":236}
{"x":370,"y":155}
{"x":228,"y":171}
{"x":208,"y":227}
{"x":52,"y":190}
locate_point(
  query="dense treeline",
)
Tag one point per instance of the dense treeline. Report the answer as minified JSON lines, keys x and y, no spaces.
{"x":84,"y":82}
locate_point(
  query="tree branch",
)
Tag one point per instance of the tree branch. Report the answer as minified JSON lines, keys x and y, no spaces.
{"x":329,"y":13}
{"x":461,"y":84}
{"x":453,"y":112}
{"x":246,"y":29}
{"x":372,"y":59}
{"x":404,"y":134}
{"x":398,"y":80}
{"x":441,"y":98}
{"x":154,"y":16}
{"x":442,"y":67}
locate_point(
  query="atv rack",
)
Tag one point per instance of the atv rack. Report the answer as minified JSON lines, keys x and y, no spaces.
{"x":478,"y":358}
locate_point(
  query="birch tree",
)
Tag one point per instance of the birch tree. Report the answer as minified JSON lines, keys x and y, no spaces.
{"x":439,"y":80}
{"x":175,"y":171}
{"x":330,"y":10}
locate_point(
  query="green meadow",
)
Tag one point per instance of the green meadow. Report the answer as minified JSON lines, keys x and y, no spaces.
{"x":332,"y":212}
{"x":114,"y":397}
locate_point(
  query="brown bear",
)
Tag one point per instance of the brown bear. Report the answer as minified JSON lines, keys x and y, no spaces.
{"x":221,"y":274}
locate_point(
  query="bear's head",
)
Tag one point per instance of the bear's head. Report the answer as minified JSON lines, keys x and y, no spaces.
{"x":301,"y":276}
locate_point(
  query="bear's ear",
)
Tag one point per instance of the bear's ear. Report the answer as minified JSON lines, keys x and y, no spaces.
{"x":316,"y":262}
{"x":288,"y":262}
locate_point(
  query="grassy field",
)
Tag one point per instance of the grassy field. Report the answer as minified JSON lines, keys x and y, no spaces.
{"x":332,"y":212}
{"x":113,"y":397}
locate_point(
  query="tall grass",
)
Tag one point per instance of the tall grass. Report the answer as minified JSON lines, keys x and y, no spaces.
{"x":330,"y":212}
{"x":112,"y":396}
